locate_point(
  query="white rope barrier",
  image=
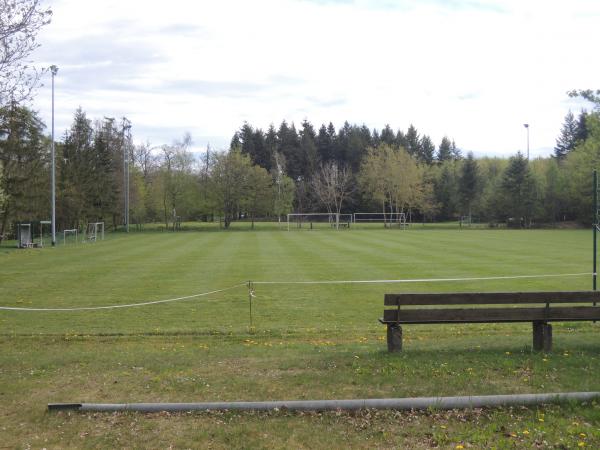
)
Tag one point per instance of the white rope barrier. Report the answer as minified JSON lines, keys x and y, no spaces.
{"x":425,"y":280}
{"x":130,"y":305}
{"x":322,"y":282}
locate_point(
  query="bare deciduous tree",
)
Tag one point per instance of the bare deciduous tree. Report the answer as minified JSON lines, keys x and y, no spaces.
{"x":20,"y":21}
{"x":332,"y":184}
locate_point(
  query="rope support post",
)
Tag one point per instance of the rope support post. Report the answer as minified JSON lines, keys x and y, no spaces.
{"x":251,"y":294}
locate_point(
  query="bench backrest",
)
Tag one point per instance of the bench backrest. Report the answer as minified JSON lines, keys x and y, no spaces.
{"x":524,"y":313}
{"x":490,"y":298}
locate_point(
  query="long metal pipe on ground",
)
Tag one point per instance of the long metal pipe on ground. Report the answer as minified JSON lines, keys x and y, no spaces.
{"x":478,"y":401}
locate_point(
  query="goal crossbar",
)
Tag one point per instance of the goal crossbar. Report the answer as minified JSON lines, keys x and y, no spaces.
{"x":379,"y":217}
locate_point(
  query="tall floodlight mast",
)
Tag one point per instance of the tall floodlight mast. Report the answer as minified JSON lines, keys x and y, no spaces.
{"x":125,"y":143}
{"x":526,"y":125}
{"x":54,"y":70}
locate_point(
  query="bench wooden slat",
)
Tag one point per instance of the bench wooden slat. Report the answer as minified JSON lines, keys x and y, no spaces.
{"x":491,"y":315}
{"x":491,"y":298}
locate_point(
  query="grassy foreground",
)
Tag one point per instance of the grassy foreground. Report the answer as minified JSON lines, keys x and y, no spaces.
{"x":307,"y":341}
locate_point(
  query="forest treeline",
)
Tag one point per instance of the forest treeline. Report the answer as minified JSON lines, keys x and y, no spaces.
{"x":287,"y":169}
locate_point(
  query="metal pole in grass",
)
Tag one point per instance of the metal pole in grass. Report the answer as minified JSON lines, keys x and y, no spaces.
{"x":250,"y":295}
{"x":53,"y":70}
{"x":595,"y":226}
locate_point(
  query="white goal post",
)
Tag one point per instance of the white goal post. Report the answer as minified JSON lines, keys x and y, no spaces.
{"x":397,"y":218}
{"x":25,"y":238}
{"x":67,"y":233}
{"x":94,"y":231}
{"x":311,"y":220}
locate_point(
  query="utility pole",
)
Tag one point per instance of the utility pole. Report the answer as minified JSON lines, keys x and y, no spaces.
{"x":53,"y":70}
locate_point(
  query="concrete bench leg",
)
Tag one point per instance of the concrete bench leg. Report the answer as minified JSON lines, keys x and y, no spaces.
{"x":542,"y":336}
{"x":394,"y":338}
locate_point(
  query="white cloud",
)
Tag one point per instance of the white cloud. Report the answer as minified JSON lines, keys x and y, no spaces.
{"x":473,"y":70}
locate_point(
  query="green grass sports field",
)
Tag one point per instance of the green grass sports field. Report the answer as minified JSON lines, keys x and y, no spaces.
{"x":307,"y":341}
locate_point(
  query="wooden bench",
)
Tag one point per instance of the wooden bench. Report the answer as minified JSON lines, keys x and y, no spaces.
{"x":539,"y":308}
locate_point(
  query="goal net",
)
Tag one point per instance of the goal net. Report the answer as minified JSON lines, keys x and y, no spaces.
{"x":70,"y":236}
{"x":387,"y":219}
{"x":94,"y":231}
{"x":311,"y":221}
{"x":25,"y":237}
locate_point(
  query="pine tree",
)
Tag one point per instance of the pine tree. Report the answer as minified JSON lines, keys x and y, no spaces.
{"x":519,"y":190}
{"x":456,"y":153}
{"x":324,"y":145}
{"x":106,"y":165}
{"x":308,"y":156}
{"x":468,"y":183}
{"x":582,"y":130}
{"x":75,"y":184}
{"x":289,"y":147}
{"x":387,"y":136}
{"x":567,"y":139}
{"x":446,"y":191}
{"x":235,"y":141}
{"x":342,"y":141}
{"x":375,"y":138}
{"x":413,"y":141}
{"x":262,"y":156}
{"x":359,"y":139}
{"x":271,"y":144}
{"x":246,"y":137}
{"x":401,"y":140}
{"x":23,"y":158}
{"x":427,"y":150}
{"x":445,"y":150}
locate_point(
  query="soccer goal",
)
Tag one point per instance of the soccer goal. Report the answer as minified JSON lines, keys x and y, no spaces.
{"x":94,"y":231}
{"x":387,"y":219}
{"x":70,"y":236}
{"x":24,"y":235}
{"x":311,"y":221}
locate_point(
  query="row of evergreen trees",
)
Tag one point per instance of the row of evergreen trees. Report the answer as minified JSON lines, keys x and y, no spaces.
{"x":301,"y":151}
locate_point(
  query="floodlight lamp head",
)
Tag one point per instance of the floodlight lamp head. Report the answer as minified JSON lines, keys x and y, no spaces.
{"x":526,"y":125}
{"x":53,"y":69}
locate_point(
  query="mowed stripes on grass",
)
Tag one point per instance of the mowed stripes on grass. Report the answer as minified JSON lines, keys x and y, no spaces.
{"x":309,"y":342}
{"x":152,"y":266}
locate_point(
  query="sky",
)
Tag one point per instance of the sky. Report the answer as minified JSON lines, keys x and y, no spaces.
{"x":472,"y":70}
